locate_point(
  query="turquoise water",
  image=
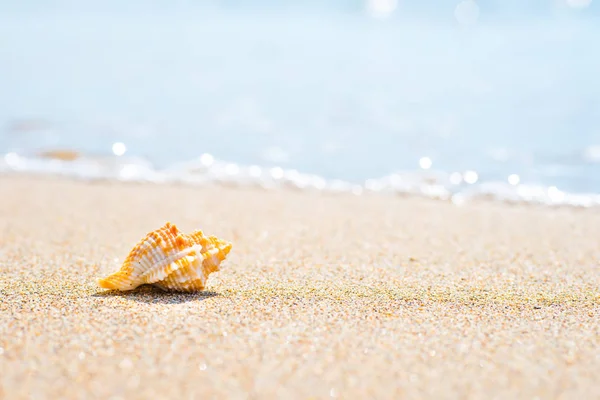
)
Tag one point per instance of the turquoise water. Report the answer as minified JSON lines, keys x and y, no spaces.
{"x":493,"y":98}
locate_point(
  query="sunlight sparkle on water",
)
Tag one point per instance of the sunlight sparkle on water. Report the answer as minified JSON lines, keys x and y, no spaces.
{"x":425,"y":162}
{"x":119,"y":148}
{"x":277,"y":173}
{"x":207,"y":159}
{"x":470,"y":177}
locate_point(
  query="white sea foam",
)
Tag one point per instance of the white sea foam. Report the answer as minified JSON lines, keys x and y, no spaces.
{"x":208,"y":170}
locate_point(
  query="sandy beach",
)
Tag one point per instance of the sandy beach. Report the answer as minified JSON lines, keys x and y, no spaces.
{"x":322,"y":296}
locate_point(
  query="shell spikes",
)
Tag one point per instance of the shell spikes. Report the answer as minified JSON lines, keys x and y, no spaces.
{"x":170,"y":260}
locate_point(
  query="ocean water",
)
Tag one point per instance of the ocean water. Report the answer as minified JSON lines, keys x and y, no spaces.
{"x":449,"y":99}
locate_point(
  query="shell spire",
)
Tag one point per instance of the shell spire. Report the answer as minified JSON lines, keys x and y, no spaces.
{"x":171,"y":260}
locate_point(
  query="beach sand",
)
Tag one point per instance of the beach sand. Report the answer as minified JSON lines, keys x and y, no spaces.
{"x":322,"y":296}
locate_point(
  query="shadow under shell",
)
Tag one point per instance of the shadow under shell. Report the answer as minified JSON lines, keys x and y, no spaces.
{"x":151,"y":294}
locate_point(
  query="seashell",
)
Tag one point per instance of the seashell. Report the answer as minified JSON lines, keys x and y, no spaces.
{"x":170,"y":260}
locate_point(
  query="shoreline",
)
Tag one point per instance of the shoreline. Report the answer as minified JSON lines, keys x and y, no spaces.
{"x":322,"y":296}
{"x":480,"y":199}
{"x":423,"y":182}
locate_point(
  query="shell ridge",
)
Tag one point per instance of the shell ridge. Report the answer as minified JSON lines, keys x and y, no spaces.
{"x":168,"y":265}
{"x":143,"y":247}
{"x":153,"y":249}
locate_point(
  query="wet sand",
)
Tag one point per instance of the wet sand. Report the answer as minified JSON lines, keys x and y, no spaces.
{"x":322,"y":296}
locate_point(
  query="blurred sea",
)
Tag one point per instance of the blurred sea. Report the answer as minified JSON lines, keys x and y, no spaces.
{"x":442,"y":98}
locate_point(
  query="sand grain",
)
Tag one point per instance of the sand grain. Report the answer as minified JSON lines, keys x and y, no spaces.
{"x":321,"y":297}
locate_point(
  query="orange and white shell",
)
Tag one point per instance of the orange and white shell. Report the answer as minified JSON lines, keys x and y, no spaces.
{"x":170,"y":260}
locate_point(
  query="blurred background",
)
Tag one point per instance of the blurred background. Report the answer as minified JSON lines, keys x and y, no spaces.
{"x":458,"y":93}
